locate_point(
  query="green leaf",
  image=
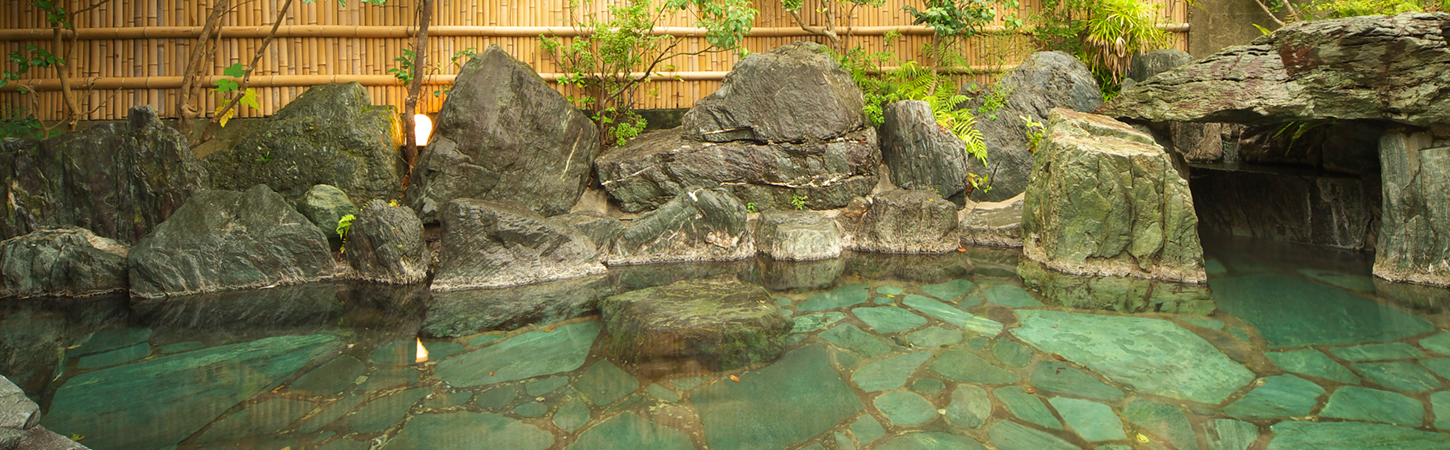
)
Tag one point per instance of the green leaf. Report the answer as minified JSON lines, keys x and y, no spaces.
{"x":250,"y":99}
{"x":235,"y":71}
{"x":225,"y":85}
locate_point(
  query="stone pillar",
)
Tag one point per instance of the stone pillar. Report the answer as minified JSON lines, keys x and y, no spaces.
{"x":1414,"y":242}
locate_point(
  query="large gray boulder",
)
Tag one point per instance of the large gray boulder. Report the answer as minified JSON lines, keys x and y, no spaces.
{"x":791,"y":93}
{"x":224,"y":240}
{"x":385,"y":244}
{"x":1128,"y":295}
{"x":921,"y":154}
{"x":901,"y":221}
{"x":505,"y":135}
{"x":658,"y":166}
{"x":717,"y":324}
{"x":65,"y":262}
{"x":325,"y":206}
{"x":994,"y":224}
{"x":1414,"y":240}
{"x":118,"y":179}
{"x":1043,"y":81}
{"x":1353,"y":68}
{"x":495,"y":244}
{"x":1147,"y":65}
{"x":1105,"y":200}
{"x":698,"y":225}
{"x":798,"y":236}
{"x":331,"y":134}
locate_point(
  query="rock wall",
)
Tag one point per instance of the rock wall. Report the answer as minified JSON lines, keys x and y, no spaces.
{"x":1299,"y":206}
{"x":1414,"y":240}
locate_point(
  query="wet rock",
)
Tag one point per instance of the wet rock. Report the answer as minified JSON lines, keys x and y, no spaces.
{"x":777,"y":275}
{"x":812,"y":322}
{"x":17,"y":412}
{"x":66,"y":262}
{"x":797,"y":236}
{"x":1059,"y":377}
{"x":1306,"y":71}
{"x":1303,"y":207}
{"x":904,"y":408}
{"x":934,"y":337}
{"x":933,"y":440}
{"x":461,"y":313}
{"x":197,"y":249}
{"x":995,"y":224}
{"x":794,"y":92}
{"x":1153,"y":356}
{"x":1011,"y":353}
{"x":600,"y":230}
{"x":325,"y":206}
{"x":331,"y":134}
{"x":488,"y":244}
{"x":1313,"y":363}
{"x":118,"y":180}
{"x":970,"y":407}
{"x":523,"y":356}
{"x":901,"y":221}
{"x":1229,"y":434}
{"x":1292,"y":311}
{"x":1009,"y":435}
{"x":604,"y":383}
{"x":1027,"y":407}
{"x":1137,"y":222}
{"x":385,"y":244}
{"x":1043,"y":81}
{"x":952,"y":315}
{"x":1414,"y":241}
{"x":850,"y":337}
{"x":383,"y":412}
{"x":1281,"y":396}
{"x":658,"y":166}
{"x":1398,"y":375}
{"x":959,"y":365}
{"x":1166,"y":421}
{"x":1147,"y":65}
{"x":1291,"y":434}
{"x":174,"y":396}
{"x":487,"y":147}
{"x":698,"y":225}
{"x":464,"y":430}
{"x":331,"y":378}
{"x":921,"y":154}
{"x":867,"y":429}
{"x":888,"y":319}
{"x":628,"y":430}
{"x":1122,"y":294}
{"x":1378,"y":352}
{"x":571,"y":416}
{"x":267,"y":417}
{"x":721,"y":324}
{"x":1357,"y":403}
{"x":1092,"y":420}
{"x":848,"y":295}
{"x":114,"y":357}
{"x":1440,"y":406}
{"x":888,"y":373}
{"x":747,"y":414}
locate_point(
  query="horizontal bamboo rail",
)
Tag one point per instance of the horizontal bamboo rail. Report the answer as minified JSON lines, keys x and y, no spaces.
{"x":346,"y":31}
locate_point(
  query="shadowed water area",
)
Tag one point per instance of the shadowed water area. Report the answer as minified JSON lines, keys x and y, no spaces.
{"x":1300,"y":349}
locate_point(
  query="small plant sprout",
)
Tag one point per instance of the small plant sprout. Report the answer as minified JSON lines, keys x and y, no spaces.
{"x":798,"y":202}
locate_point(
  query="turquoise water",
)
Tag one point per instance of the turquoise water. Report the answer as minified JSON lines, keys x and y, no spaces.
{"x":1300,"y":349}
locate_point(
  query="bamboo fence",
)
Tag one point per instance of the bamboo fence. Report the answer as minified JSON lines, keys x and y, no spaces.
{"x":132,"y":52}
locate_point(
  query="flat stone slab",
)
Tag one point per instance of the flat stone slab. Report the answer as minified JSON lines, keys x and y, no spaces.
{"x":850,"y":337}
{"x":867,"y":429}
{"x":1093,"y":421}
{"x":1166,"y":421}
{"x":848,"y":295}
{"x":888,"y":373}
{"x":949,"y":291}
{"x":1061,"y":378}
{"x":1440,"y":405}
{"x":1399,"y":375}
{"x":604,"y":383}
{"x":930,"y":440}
{"x":934,"y":337}
{"x":628,"y":430}
{"x":813,"y":322}
{"x":262,"y":419}
{"x":1027,"y":407}
{"x":1374,"y":405}
{"x":1313,"y":363}
{"x":801,"y":386}
{"x":1291,"y":435}
{"x":1009,"y":296}
{"x":114,"y":357}
{"x":1281,"y":396}
{"x":904,"y":407}
{"x":1009,"y":435}
{"x":1439,"y":343}
{"x":952,"y":315}
{"x":465,"y":430}
{"x":1229,"y":434}
{"x":970,"y":407}
{"x":721,"y":323}
{"x":527,"y":355}
{"x":961,"y":365}
{"x":383,"y":412}
{"x":1153,"y":356}
{"x":1378,"y":352}
{"x":1291,"y":311}
{"x":888,"y":319}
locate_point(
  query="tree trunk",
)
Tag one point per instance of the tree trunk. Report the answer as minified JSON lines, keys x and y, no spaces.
{"x":410,"y":106}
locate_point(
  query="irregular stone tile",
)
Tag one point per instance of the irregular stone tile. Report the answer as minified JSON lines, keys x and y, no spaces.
{"x":1154,"y":356}
{"x":1027,"y":407}
{"x":447,"y":400}
{"x":604,"y":383}
{"x":851,"y":338}
{"x":952,"y":315}
{"x":115,"y":357}
{"x":1440,"y":405}
{"x":1239,"y":333}
{"x":1011,"y":353}
{"x":262,"y":419}
{"x":843,"y":442}
{"x":546,"y":385}
{"x":498,"y":397}
{"x":1439,"y":343}
{"x":1441,"y":366}
{"x":961,"y":365}
{"x":930,"y":440}
{"x":662,"y":393}
{"x":112,"y":339}
{"x":1374,"y":405}
{"x":719,"y":323}
{"x":1313,"y":363}
{"x":867,"y":429}
{"x":524,"y":356}
{"x":934,"y":337}
{"x":1091,"y":420}
{"x":465,"y":430}
{"x":848,"y":295}
{"x":1009,"y":435}
{"x":1009,"y":296}
{"x":949,"y":291}
{"x":396,"y":353}
{"x":484,"y":339}
{"x":1280,"y":397}
{"x":331,"y":412}
{"x":1341,"y":279}
{"x":173,"y":396}
{"x":1290,"y":311}
{"x":390,"y":377}
{"x":970,"y":407}
{"x":889,"y":290}
{"x":1212,"y":324}
{"x":531,"y":409}
{"x":331,"y":378}
{"x":747,"y":414}
{"x":439,"y":350}
{"x":813,"y":322}
{"x":888,"y":319}
{"x":1229,"y":434}
{"x":345,"y":444}
{"x":382,"y":413}
{"x":782,"y":302}
{"x":889,"y":373}
{"x":929,"y":387}
{"x":1289,"y":435}
{"x":180,"y":347}
{"x":1166,"y":421}
{"x":884,"y":300}
{"x":904,"y":407}
{"x":628,"y":430}
{"x":685,"y":384}
{"x":1061,"y":378}
{"x":1399,"y":375}
{"x":814,"y":446}
{"x":1377,"y":352}
{"x":845,"y":360}
{"x":571,"y":416}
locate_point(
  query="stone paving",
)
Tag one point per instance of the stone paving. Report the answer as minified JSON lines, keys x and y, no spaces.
{"x":972,"y":363}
